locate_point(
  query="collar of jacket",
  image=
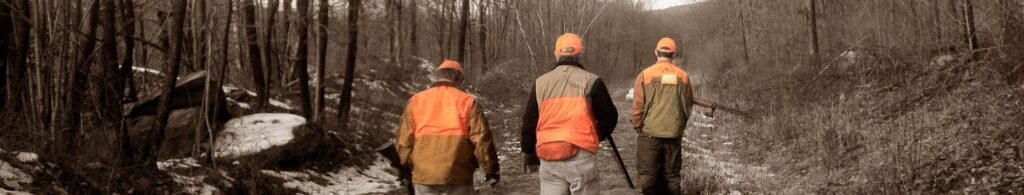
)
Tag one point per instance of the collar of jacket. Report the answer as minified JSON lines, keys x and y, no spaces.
{"x":444,"y":83}
{"x":576,"y":64}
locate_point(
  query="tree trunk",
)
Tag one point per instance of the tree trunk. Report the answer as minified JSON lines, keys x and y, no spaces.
{"x":350,"y":62}
{"x":77,"y":83}
{"x":743,"y":32}
{"x":1013,"y":40}
{"x":269,"y":53}
{"x":971,"y":37}
{"x":173,"y":62}
{"x":111,"y":90}
{"x":321,"y":69}
{"x":222,"y":73}
{"x":414,"y":46}
{"x":128,"y":12}
{"x":6,"y":30}
{"x":18,"y":67}
{"x":392,"y":10}
{"x":813,"y":15}
{"x":483,"y":34}
{"x":255,"y":63}
{"x":463,"y":30}
{"x":302,"y":58}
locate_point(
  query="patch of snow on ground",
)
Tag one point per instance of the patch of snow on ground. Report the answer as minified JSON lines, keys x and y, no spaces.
{"x":13,"y":177}
{"x":281,"y":104}
{"x":378,"y":178}
{"x":253,"y":133}
{"x":27,"y":157}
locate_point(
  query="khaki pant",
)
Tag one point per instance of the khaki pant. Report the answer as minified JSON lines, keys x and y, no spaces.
{"x":658,"y":162}
{"x":466,"y":189}
{"x":577,"y":175}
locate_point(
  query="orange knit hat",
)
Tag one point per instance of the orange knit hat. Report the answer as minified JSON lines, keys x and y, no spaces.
{"x":568,"y":45}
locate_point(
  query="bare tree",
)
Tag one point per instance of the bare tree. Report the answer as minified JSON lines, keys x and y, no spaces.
{"x":128,"y":30}
{"x":414,"y":46}
{"x":110,"y":91}
{"x":173,"y":61}
{"x":77,"y":83}
{"x":813,"y":16}
{"x":345,"y":104}
{"x":463,"y":29}
{"x":269,"y":53}
{"x":321,"y":69}
{"x":18,"y":67}
{"x":255,"y":63}
{"x":6,"y":29}
{"x":302,"y":58}
{"x":971,"y":37}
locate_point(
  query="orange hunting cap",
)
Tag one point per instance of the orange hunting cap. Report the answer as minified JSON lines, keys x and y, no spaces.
{"x":568,"y":45}
{"x":666,"y":45}
{"x":450,"y":64}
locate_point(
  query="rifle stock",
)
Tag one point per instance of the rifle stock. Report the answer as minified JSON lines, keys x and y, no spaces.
{"x":715,"y":106}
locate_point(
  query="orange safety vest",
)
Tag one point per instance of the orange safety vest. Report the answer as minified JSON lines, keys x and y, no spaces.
{"x":565,"y":113}
{"x":441,"y":110}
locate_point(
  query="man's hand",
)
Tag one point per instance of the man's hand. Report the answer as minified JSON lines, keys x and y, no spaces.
{"x":530,"y":162}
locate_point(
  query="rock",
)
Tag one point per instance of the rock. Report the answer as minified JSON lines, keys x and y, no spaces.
{"x":267,"y":139}
{"x":187,"y":93}
{"x":179,"y":136}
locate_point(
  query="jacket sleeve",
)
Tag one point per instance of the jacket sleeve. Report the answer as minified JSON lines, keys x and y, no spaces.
{"x":405,"y":140}
{"x":604,"y":110}
{"x":688,"y":96}
{"x":531,"y":113}
{"x":639,"y":99}
{"x":479,"y":133}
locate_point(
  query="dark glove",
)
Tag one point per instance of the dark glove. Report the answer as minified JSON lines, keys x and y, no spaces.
{"x":493,"y":179}
{"x":530,"y":162}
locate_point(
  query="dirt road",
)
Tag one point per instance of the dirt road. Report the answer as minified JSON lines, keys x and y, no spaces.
{"x":709,"y":165}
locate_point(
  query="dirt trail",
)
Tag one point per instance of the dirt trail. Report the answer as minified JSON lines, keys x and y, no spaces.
{"x":708,"y":157}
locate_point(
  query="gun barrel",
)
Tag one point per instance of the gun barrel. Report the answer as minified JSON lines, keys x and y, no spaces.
{"x":618,"y":157}
{"x":713,"y":105}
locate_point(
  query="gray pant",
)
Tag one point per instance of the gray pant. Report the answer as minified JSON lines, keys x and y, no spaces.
{"x":466,"y":189}
{"x":577,"y":175}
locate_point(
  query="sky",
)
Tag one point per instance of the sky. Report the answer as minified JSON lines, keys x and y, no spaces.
{"x":662,"y":4}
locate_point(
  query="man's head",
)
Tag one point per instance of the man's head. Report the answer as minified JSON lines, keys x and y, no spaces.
{"x":450,"y":71}
{"x":666,"y":48}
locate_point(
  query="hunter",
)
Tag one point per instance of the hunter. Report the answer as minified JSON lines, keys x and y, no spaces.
{"x":568,"y":113}
{"x":444,"y":137}
{"x":662,"y":99}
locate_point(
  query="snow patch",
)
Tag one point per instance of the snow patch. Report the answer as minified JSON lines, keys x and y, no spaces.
{"x":27,"y":157}
{"x":352,"y":180}
{"x":13,"y":177}
{"x":257,"y":132}
{"x":281,"y":104}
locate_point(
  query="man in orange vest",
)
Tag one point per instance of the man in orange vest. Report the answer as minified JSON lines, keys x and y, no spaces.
{"x":568,"y":113}
{"x":662,"y":99}
{"x":444,"y":137}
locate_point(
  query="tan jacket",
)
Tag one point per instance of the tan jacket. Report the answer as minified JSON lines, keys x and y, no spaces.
{"x":444,"y":137}
{"x":662,"y":100}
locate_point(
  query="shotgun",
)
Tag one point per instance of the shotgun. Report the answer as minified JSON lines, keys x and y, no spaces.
{"x":615,"y":151}
{"x":716,"y":106}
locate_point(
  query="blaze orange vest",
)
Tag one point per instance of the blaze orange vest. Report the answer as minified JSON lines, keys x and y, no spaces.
{"x":565,"y":113}
{"x":441,"y":110}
